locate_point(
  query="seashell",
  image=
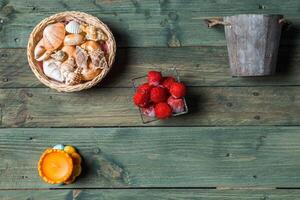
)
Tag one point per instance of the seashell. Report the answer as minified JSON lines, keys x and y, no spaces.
{"x":53,"y":36}
{"x":59,"y":147}
{"x":45,"y":56}
{"x":81,"y":57}
{"x":59,"y":55}
{"x":40,"y":53}
{"x":98,"y":59}
{"x":94,"y":34}
{"x":91,"y":45}
{"x":73,"y":27}
{"x":52,"y":70}
{"x":101,"y":36}
{"x":90,"y":73}
{"x":70,"y":149}
{"x":74,"y":78}
{"x":67,"y":67}
{"x":74,"y":39}
{"x":39,"y":49}
{"x":70,"y":51}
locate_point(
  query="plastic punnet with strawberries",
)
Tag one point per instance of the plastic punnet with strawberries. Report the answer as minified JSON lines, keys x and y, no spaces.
{"x":159,"y":95}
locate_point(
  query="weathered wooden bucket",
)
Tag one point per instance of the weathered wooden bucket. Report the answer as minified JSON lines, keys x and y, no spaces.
{"x":252,"y":42}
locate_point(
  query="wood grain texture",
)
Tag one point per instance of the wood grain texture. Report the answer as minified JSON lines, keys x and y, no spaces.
{"x":214,"y":106}
{"x":159,"y":157}
{"x":197,"y":66}
{"x":151,"y":194}
{"x":113,"y":107}
{"x":252,"y":42}
{"x":141,"y":23}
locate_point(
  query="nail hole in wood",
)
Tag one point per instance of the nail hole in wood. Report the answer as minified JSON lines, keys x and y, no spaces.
{"x":262,"y":7}
{"x":229,"y":104}
{"x":257,"y":117}
{"x":228,"y":154}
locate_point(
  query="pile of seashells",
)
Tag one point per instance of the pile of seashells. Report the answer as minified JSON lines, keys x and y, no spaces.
{"x":71,"y":52}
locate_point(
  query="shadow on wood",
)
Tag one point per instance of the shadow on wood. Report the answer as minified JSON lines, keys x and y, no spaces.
{"x":121,"y":61}
{"x":286,"y":55}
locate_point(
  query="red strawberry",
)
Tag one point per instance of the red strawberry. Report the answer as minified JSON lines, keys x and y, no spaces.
{"x":177,"y":105}
{"x":168,"y":81}
{"x":177,"y":90}
{"x":154,"y":78}
{"x":141,"y":99}
{"x":149,"y":111}
{"x":162,"y":110}
{"x":158,"y":94}
{"x":144,"y":88}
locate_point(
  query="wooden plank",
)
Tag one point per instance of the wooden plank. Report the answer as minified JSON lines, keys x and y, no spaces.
{"x":214,"y":106}
{"x":197,"y":66}
{"x":162,"y":194}
{"x":159,"y":157}
{"x":141,"y":23}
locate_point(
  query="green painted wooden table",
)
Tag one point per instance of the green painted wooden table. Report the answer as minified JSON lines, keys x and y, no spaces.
{"x":241,"y":139}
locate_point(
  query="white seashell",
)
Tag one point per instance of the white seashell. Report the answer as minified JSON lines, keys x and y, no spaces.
{"x":73,"y":27}
{"x":59,"y":147}
{"x":52,"y":70}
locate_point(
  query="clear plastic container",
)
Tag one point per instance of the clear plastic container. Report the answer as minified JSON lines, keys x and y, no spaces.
{"x":143,"y":79}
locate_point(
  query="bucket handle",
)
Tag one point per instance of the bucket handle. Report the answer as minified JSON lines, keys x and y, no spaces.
{"x":285,"y":23}
{"x":216,"y":21}
{"x":219,"y":21}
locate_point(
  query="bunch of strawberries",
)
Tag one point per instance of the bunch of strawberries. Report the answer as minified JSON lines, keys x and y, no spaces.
{"x":160,"y":96}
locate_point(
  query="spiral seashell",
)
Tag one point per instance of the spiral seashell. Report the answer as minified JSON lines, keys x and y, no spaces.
{"x":74,"y":39}
{"x":39,"y":49}
{"x":52,"y":70}
{"x":59,"y":55}
{"x":94,"y":34}
{"x":70,"y":51}
{"x":91,"y":45}
{"x":90,"y":73}
{"x":98,"y":59}
{"x":101,"y":36}
{"x":81,"y":57}
{"x":74,"y":78}
{"x":73,"y":27}
{"x":67,"y":67}
{"x":40,"y":53}
{"x":53,"y":36}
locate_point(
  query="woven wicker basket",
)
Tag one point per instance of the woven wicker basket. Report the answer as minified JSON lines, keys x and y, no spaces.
{"x":37,"y":34}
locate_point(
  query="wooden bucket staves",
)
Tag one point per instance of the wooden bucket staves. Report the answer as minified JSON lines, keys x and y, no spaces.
{"x":252,"y":42}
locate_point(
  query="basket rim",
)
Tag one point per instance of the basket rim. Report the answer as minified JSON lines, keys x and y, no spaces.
{"x":60,"y":86}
